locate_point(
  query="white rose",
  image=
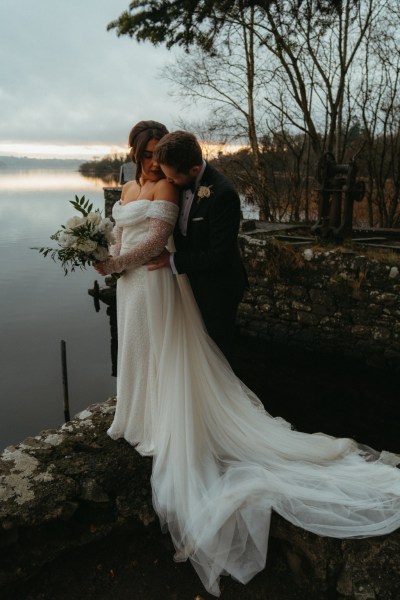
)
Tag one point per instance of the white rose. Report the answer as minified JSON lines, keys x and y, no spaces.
{"x":74,"y":222}
{"x":108,"y":224}
{"x":94,"y":217}
{"x":204,"y":191}
{"x":101,"y":253}
{"x":87,"y":246}
{"x":393,"y":272}
{"x":105,"y":226}
{"x":65,"y":239}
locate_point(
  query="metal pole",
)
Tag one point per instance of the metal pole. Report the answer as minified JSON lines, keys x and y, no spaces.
{"x":65,"y":379}
{"x":96,"y":296}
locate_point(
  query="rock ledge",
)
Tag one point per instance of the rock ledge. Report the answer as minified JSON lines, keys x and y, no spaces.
{"x":67,"y":487}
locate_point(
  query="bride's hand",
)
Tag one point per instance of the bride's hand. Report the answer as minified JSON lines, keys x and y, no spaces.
{"x":101,"y":267}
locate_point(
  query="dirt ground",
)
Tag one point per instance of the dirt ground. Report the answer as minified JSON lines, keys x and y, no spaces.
{"x":340,"y":397}
{"x":139,"y":566}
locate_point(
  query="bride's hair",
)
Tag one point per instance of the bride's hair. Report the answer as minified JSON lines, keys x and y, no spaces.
{"x":139,"y":136}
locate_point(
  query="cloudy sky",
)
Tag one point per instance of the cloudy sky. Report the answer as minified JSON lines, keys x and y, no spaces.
{"x":65,"y":81}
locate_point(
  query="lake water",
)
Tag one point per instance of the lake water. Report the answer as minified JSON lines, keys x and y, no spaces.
{"x":39,"y":307}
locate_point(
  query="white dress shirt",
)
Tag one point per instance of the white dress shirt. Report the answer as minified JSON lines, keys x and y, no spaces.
{"x":187,"y":201}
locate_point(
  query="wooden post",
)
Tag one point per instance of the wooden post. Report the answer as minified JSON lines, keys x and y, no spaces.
{"x":65,"y":379}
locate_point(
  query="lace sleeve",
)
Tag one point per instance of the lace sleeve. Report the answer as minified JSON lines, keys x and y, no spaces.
{"x":150,"y":246}
{"x":115,"y":249}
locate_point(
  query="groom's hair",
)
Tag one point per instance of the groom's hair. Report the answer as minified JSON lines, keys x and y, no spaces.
{"x":179,"y":150}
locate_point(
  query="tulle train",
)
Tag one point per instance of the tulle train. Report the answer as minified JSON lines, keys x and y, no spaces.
{"x":221,"y":463}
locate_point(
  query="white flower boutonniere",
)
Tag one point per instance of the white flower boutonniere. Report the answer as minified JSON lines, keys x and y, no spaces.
{"x":204,"y":191}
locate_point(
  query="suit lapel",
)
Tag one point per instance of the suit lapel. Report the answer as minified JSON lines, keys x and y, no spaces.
{"x":196,"y":204}
{"x":194,"y":207}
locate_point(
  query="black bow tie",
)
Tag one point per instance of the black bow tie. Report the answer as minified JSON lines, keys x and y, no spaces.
{"x":190,"y":187}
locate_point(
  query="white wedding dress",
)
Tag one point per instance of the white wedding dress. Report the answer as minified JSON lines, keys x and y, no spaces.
{"x":221,"y":463}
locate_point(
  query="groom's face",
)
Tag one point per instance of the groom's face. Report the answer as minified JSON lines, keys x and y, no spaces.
{"x":181,"y":180}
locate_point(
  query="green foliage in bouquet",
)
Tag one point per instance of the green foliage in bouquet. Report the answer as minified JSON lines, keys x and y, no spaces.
{"x":83,"y":239}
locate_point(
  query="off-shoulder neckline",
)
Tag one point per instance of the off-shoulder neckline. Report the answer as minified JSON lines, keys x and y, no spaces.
{"x":145,"y":200}
{"x":133,"y":201}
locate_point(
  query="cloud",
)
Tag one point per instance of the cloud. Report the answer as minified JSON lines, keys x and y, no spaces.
{"x":65,"y":79}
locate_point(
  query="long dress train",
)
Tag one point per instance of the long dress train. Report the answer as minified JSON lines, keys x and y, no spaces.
{"x":221,"y":462}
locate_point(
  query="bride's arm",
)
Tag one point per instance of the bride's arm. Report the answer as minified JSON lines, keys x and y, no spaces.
{"x":115,"y":249}
{"x":151,"y":245}
{"x":162,"y":218}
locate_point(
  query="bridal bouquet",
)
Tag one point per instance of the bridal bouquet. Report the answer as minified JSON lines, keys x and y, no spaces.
{"x":83,"y":239}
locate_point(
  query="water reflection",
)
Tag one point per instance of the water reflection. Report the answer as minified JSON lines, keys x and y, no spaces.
{"x":31,"y":180}
{"x":108,"y":179}
{"x":39,"y":306}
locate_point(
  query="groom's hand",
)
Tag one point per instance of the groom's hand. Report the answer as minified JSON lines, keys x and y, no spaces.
{"x":159,"y":262}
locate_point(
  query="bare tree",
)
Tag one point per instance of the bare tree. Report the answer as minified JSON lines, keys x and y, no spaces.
{"x":315,"y":50}
{"x":378,"y":101}
{"x":232,"y":78}
{"x":299,"y":72}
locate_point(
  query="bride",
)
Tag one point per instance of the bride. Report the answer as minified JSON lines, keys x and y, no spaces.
{"x":221,"y":463}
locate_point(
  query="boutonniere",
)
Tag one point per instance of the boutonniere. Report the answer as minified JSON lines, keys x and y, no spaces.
{"x":204,"y":191}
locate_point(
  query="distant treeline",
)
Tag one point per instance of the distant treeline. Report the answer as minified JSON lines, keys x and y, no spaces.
{"x":286,"y":180}
{"x":285,"y":183}
{"x":106,"y":168}
{"x":24,"y":162}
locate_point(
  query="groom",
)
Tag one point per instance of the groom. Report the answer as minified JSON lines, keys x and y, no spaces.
{"x":205,"y":235}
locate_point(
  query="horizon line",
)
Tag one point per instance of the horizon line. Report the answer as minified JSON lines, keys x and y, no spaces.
{"x":59,"y":151}
{"x":93,"y":151}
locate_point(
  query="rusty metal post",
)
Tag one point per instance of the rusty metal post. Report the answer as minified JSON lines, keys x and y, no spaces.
{"x":65,"y":380}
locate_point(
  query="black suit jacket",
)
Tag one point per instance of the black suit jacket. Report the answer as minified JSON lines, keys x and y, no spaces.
{"x":209,"y":253}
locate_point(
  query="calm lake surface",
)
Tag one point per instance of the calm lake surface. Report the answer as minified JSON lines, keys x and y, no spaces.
{"x":39,"y":307}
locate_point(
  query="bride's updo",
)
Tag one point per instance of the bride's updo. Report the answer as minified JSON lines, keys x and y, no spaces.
{"x":139,"y":136}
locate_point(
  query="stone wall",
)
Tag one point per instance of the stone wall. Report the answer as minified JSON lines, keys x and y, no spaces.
{"x":111,"y":196}
{"x":68,"y":487}
{"x":336,"y":300}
